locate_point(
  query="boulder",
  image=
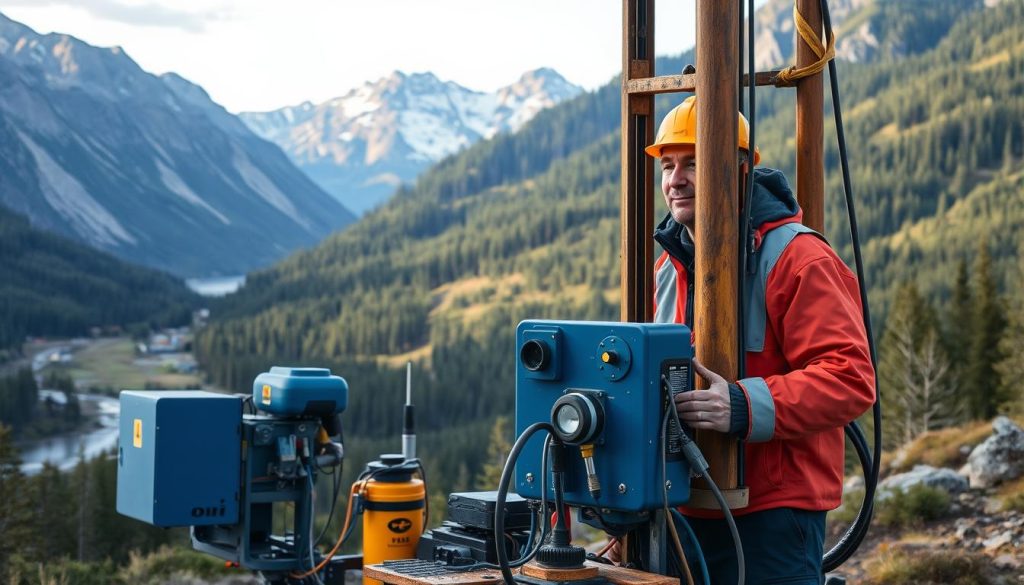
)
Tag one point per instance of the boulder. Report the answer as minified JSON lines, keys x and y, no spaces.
{"x":940,"y":478}
{"x":1000,"y":457}
{"x":998,"y":541}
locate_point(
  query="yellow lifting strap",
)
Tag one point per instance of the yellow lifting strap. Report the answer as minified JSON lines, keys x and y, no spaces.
{"x":825,"y":53}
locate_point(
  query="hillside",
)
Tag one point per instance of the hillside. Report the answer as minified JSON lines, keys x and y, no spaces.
{"x":53,"y":286}
{"x":147,"y":168}
{"x":526,"y":225}
{"x":866,"y":30}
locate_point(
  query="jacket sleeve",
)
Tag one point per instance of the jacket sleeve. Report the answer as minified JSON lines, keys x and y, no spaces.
{"x":814,"y":311}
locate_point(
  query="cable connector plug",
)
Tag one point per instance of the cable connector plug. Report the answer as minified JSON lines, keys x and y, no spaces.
{"x":593,"y":483}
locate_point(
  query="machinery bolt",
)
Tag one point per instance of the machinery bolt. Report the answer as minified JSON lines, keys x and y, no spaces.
{"x":622,"y":488}
{"x":529,"y":478}
{"x":302,"y":428}
{"x":668,"y":484}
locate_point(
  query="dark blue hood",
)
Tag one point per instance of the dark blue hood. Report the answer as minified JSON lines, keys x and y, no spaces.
{"x":772,"y":201}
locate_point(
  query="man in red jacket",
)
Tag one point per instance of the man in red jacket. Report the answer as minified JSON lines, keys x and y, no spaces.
{"x":809,"y":371}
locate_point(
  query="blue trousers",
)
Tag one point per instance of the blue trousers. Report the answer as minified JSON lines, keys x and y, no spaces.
{"x":782,"y":545}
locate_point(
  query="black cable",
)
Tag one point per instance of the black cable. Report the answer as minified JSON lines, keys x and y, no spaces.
{"x":499,"y":503}
{"x":746,"y":240}
{"x":696,"y":459}
{"x":545,"y":526}
{"x":336,"y":486}
{"x":692,"y":536}
{"x":334,"y":502}
{"x":677,"y":547}
{"x":740,"y":561}
{"x":848,"y":544}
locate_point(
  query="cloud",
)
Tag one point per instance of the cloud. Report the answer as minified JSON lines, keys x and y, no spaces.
{"x":144,"y":14}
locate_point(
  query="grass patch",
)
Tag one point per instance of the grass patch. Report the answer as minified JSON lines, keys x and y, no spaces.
{"x":942,"y":448}
{"x":420,"y":355}
{"x":168,"y":563}
{"x":107,"y":363}
{"x":991,"y":61}
{"x":110,"y":365}
{"x":911,"y":508}
{"x":904,"y":566}
{"x":1012,"y":495}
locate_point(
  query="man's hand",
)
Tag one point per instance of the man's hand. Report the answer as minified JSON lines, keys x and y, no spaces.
{"x":706,"y":409}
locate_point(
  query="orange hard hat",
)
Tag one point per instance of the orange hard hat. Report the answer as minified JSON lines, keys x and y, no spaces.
{"x":680,"y":127}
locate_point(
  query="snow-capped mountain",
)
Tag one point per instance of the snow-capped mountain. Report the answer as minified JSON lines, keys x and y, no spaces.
{"x":146,"y":167}
{"x":360,"y":146}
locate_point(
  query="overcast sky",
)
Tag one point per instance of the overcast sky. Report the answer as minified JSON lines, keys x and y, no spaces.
{"x":264,"y":54}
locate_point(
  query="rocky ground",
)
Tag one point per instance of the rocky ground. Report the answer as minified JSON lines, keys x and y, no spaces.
{"x":975,"y":524}
{"x":980,"y":526}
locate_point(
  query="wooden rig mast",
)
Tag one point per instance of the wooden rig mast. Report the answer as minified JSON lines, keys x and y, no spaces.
{"x":716,"y":236}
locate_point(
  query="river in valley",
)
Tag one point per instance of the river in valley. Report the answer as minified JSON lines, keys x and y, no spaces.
{"x":64,"y":451}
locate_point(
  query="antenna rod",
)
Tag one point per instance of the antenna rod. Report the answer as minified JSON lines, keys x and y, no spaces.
{"x":408,"y":434}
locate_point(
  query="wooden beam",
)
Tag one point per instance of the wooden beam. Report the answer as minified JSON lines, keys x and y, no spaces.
{"x":637,"y":197}
{"x":810,"y":132}
{"x":685,"y":83}
{"x":716,"y":216}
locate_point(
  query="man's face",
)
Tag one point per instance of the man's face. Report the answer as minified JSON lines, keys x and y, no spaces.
{"x":678,"y":182}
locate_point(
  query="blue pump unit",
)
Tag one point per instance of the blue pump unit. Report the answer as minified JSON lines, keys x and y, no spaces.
{"x":192,"y":458}
{"x":300,"y":391}
{"x":605,"y":386}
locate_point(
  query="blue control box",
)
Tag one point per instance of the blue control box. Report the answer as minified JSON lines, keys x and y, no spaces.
{"x":618,"y":376}
{"x":179,"y":457}
{"x":300,"y":392}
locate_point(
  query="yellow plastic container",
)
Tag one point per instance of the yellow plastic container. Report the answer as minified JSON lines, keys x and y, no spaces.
{"x":392,"y":518}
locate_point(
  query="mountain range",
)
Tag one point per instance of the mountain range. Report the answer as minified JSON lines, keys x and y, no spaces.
{"x":145,"y":167}
{"x":362,"y":145}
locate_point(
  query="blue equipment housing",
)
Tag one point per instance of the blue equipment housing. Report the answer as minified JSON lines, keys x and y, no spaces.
{"x":179,"y":456}
{"x":626,"y":370}
{"x":191,"y":458}
{"x":300,"y":391}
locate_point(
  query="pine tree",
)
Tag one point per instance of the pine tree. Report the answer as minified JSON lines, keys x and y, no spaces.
{"x":982,"y":380}
{"x":497,"y":452}
{"x":55,"y":512}
{"x":16,"y":535}
{"x":957,"y":340}
{"x":918,"y":391}
{"x":1011,"y":346}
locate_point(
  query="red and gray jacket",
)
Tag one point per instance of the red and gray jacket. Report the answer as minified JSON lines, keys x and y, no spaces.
{"x":809,"y":372}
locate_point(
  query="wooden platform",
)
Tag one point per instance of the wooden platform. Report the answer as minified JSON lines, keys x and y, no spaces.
{"x":617,"y":575}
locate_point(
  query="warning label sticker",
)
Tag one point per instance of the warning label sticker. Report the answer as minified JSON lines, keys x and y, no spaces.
{"x":266,"y":394}
{"x":137,"y":433}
